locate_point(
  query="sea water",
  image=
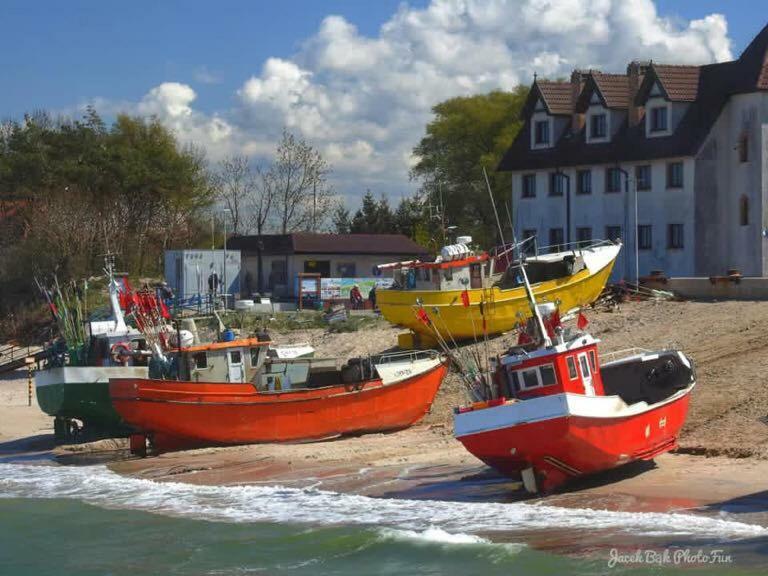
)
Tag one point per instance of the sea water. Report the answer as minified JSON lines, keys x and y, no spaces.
{"x":84,"y":520}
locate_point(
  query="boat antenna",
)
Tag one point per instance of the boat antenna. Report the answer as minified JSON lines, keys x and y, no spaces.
{"x":535,"y":309}
{"x":493,"y":204}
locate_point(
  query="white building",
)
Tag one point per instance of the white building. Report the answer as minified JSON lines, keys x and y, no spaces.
{"x":676,"y":154}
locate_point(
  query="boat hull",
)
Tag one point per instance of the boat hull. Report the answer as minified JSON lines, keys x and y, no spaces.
{"x":177,"y":415}
{"x":502,"y":310}
{"x":573,"y":436}
{"x":82,"y":393}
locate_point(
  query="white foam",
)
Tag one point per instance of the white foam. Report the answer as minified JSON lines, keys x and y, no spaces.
{"x":433,"y":534}
{"x":99,"y":486}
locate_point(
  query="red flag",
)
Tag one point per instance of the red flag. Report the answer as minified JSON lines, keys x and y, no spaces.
{"x":581,"y":321}
{"x":422,"y":316}
{"x":465,"y":298}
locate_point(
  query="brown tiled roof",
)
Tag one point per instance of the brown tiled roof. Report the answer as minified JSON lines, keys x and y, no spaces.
{"x":555,"y":95}
{"x":309,"y":243}
{"x":680,"y":83}
{"x":706,"y":89}
{"x":614,"y":89}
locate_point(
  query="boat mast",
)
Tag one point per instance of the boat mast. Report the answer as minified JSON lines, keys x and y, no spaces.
{"x":528,"y":292}
{"x":117,"y":312}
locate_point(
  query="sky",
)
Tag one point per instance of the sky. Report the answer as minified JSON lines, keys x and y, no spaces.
{"x":357,"y":79}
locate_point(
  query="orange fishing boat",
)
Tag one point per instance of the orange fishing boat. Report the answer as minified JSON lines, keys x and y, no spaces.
{"x":235,"y":393}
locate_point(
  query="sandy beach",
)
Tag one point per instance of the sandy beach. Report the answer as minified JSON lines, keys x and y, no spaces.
{"x":721,"y":466}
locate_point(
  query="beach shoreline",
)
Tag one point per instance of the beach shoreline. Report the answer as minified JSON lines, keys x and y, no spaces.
{"x":720,"y":467}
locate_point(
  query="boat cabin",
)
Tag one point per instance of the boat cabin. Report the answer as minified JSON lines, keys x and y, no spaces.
{"x":252,"y":360}
{"x":571,"y":366}
{"x":467,"y":272}
{"x":233,"y":361}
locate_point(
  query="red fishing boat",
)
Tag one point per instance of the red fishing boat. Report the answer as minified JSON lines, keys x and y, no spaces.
{"x":235,"y":393}
{"x":552,"y":412}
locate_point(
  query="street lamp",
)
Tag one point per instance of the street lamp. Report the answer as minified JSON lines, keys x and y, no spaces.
{"x":213,"y":247}
{"x":636,"y":234}
{"x":562,"y":174}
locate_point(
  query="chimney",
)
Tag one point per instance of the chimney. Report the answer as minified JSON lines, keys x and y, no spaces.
{"x":635,"y":72}
{"x":577,"y":84}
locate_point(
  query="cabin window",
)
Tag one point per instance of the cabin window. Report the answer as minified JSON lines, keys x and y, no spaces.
{"x":572,"y":374}
{"x":529,"y":379}
{"x":547,"y":375}
{"x":436,"y":277}
{"x":592,"y":360}
{"x":425,"y":272}
{"x":584,"y":367}
{"x":201,"y":360}
{"x":536,"y":377}
{"x":235,"y":357}
{"x":448,"y":273}
{"x":254,"y":357}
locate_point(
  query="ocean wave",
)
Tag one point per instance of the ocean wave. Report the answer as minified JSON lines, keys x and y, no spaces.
{"x":99,"y":486}
{"x":432,"y":534}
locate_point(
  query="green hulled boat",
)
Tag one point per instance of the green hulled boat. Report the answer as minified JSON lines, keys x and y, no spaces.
{"x":73,"y":386}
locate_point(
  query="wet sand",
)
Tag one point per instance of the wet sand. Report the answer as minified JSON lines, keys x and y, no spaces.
{"x":721,"y":468}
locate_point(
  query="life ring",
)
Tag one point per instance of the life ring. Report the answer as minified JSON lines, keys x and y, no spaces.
{"x":121,"y":352}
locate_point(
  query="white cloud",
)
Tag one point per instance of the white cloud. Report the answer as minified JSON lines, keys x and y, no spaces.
{"x":364,"y":101}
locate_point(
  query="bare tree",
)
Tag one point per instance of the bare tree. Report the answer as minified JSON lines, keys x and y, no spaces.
{"x":260,"y":204}
{"x":303,"y":197}
{"x":235,"y":185}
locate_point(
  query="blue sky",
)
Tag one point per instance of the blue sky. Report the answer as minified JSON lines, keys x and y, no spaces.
{"x":228,"y":76}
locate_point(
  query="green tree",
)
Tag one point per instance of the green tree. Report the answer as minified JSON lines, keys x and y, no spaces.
{"x":341,"y":221}
{"x":79,"y":188}
{"x":373,"y":217}
{"x":467,"y":135}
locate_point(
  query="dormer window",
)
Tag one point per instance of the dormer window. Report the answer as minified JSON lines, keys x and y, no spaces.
{"x":598,"y":127}
{"x":659,"y":122}
{"x":541,"y":128}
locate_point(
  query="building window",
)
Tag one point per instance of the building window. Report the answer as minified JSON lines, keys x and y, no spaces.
{"x":744,"y":148}
{"x":613,"y":232}
{"x":584,"y":182}
{"x":659,"y":119}
{"x":583,"y":235}
{"x":675,"y":175}
{"x":643,"y":177}
{"x":541,"y":137}
{"x":644,"y":237}
{"x":598,"y":126}
{"x":556,"y":184}
{"x":675,"y":236}
{"x":744,"y":210}
{"x":345,"y":269}
{"x":612,"y":180}
{"x":529,"y":185}
{"x":556,"y":239}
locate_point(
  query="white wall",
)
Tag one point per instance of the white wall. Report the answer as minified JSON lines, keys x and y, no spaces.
{"x":657,"y":207}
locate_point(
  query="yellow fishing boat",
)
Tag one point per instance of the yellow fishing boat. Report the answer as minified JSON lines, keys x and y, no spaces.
{"x":464,"y":296}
